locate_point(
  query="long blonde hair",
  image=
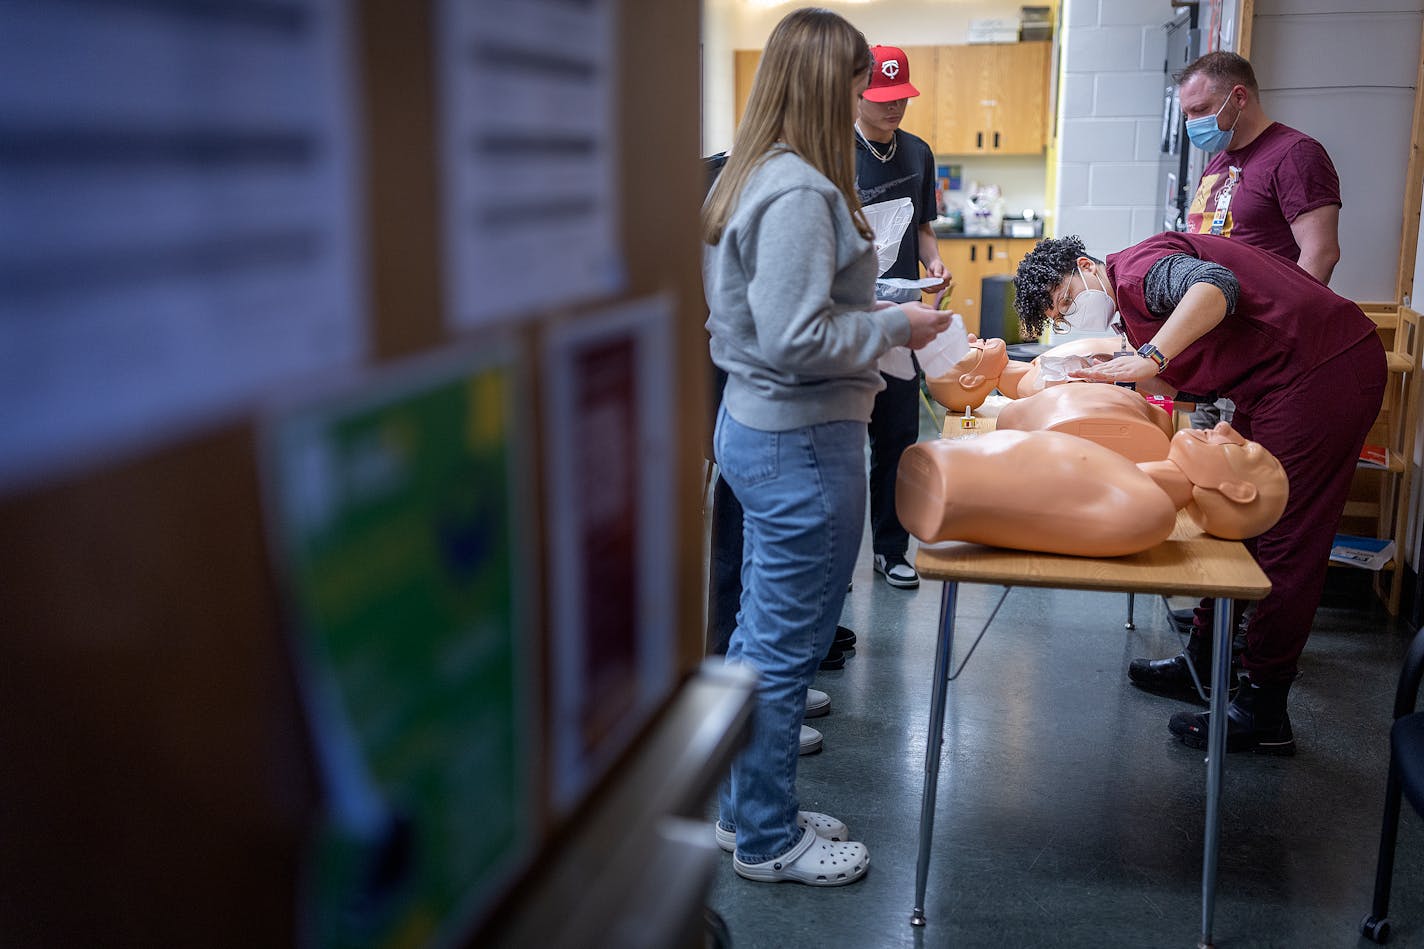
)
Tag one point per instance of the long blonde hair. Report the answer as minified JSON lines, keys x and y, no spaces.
{"x":801,"y":99}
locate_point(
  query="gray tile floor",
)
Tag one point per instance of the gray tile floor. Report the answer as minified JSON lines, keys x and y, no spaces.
{"x":1067,"y":814}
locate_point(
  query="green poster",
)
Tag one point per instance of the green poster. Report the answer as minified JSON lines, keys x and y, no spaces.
{"x":396,"y":514}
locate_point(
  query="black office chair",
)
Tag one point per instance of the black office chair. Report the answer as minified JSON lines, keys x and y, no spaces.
{"x":1406,"y":773}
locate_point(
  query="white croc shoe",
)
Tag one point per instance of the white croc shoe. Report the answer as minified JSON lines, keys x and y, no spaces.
{"x":814,"y":861}
{"x":818,"y":703}
{"x":823,"y":824}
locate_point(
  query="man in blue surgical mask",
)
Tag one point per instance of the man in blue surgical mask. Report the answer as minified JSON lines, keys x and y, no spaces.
{"x":1265,"y":183}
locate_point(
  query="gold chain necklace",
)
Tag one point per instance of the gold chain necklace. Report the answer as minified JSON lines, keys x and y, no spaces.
{"x":889,"y":152}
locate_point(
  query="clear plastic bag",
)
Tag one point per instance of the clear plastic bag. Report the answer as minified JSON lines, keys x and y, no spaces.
{"x":1053,"y":370}
{"x":939,"y":355}
{"x":889,"y":219}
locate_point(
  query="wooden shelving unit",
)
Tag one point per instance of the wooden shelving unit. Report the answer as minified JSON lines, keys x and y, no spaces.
{"x":1379,"y":497}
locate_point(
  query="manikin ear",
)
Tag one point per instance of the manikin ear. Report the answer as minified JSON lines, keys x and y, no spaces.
{"x":971,"y":380}
{"x":1242,"y":492}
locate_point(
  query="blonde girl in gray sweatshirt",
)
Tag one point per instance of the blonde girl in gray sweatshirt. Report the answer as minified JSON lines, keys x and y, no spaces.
{"x":789,"y":270}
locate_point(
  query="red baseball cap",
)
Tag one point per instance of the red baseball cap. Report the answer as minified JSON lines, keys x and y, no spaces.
{"x":890,"y":76}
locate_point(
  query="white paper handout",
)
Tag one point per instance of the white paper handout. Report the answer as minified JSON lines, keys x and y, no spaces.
{"x":180,"y":219}
{"x":528,"y":155}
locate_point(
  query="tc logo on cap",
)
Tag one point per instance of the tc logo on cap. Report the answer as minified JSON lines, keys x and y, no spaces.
{"x":890,"y":80}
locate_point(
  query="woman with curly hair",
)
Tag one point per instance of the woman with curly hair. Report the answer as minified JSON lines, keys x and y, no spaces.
{"x":789,"y":270}
{"x":1307,"y":373}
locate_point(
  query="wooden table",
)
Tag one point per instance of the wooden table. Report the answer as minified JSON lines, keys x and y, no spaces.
{"x":1189,"y":563}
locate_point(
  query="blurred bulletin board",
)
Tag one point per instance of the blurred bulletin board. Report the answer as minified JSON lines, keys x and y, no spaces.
{"x":528,"y":158}
{"x":159,"y":779}
{"x":609,"y":473}
{"x":398,"y":512}
{"x":180,"y":218}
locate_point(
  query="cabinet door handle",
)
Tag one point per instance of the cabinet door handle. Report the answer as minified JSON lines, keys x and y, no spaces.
{"x":978,"y":139}
{"x":996,"y":139}
{"x":990,"y":255}
{"x":972,"y":249}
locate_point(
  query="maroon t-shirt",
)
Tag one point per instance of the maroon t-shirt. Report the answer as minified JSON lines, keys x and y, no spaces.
{"x":1264,"y":345}
{"x":1282,"y":174}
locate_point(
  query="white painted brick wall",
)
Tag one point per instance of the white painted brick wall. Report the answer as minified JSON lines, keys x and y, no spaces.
{"x":1111,"y":122}
{"x":1109,"y":181}
{"x":1125,"y":94}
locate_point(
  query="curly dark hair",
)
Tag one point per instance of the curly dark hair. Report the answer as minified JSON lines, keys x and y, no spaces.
{"x":1039,"y":274}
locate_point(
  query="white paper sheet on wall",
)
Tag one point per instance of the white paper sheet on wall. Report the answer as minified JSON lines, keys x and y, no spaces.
{"x":178,"y":224}
{"x":528,"y":155}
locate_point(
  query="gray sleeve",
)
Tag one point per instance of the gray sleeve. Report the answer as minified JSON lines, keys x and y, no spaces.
{"x":1170,"y":278}
{"x":798,"y":327}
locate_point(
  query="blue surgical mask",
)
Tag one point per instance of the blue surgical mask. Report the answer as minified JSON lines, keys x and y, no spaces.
{"x":1207,"y":135}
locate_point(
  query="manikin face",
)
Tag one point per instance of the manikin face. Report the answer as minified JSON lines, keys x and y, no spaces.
{"x":973,"y":377}
{"x":986,"y":357}
{"x":879,"y":120}
{"x":1239,"y":488}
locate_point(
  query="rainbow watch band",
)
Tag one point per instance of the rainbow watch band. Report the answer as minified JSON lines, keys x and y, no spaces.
{"x":1154,"y":354}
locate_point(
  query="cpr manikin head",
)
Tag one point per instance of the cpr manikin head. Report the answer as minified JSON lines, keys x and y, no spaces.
{"x":1114,"y":417}
{"x":1239,"y":489}
{"x":973,"y":377}
{"x":1037,"y":490}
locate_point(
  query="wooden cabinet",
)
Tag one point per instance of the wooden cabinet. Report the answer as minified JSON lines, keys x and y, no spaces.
{"x":970,"y":260}
{"x":744,"y":70}
{"x":991,"y":99}
{"x":922,"y":111}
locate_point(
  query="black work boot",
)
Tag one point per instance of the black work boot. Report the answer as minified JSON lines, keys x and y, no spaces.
{"x":1170,"y":677}
{"x":1255,"y":721}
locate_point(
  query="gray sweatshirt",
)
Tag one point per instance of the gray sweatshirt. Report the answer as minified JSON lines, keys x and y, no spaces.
{"x":791,"y":287}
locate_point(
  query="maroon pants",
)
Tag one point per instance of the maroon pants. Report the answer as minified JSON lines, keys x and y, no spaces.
{"x":1315,"y":429}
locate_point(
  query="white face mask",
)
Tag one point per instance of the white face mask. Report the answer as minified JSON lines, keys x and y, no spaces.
{"x":1092,"y":310}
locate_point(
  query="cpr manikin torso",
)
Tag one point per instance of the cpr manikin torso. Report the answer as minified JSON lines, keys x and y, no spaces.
{"x":1057,"y":493}
{"x":974,"y":376}
{"x":1023,"y":380}
{"x":1112,"y":416}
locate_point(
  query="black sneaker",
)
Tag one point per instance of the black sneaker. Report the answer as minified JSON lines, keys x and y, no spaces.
{"x":835,"y":659}
{"x":1173,"y":678}
{"x":897,"y":571}
{"x":845,"y":639}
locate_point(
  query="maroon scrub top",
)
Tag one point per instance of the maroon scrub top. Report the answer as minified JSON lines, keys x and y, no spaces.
{"x":1285,"y":324}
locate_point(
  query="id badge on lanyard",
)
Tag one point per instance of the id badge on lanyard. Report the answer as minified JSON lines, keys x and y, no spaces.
{"x":1223,"y":200}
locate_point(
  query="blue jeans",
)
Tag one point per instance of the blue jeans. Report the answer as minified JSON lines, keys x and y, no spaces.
{"x":803,"y":497}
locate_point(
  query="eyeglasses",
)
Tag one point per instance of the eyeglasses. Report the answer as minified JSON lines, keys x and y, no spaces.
{"x":1063,"y":305}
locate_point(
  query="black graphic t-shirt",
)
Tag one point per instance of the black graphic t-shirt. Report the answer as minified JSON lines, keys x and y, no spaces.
{"x":908,"y":174}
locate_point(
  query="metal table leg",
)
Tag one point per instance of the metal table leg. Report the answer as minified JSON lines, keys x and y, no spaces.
{"x":1131,"y":601}
{"x":1215,"y":762}
{"x":933,"y":742}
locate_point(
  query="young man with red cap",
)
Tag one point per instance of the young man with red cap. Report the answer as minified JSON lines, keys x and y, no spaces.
{"x":891,"y":163}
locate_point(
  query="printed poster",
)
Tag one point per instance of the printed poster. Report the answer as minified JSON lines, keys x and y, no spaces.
{"x":397,"y":514}
{"x":611,"y":524}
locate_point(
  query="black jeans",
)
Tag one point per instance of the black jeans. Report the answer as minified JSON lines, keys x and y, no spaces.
{"x":894,"y":426}
{"x":724,"y":586}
